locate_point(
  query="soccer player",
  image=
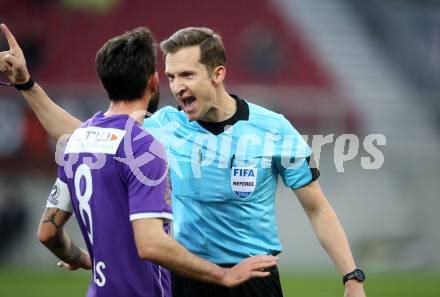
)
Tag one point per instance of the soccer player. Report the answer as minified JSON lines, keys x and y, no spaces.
{"x":225,"y":155}
{"x":114,"y":177}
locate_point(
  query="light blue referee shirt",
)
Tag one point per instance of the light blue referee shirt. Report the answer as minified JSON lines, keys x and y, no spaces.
{"x":224,"y":185}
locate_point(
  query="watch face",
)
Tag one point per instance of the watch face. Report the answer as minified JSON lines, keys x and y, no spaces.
{"x":360,"y":275}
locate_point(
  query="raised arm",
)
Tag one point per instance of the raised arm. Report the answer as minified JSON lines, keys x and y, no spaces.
{"x":329,"y":231}
{"x":155,"y":245}
{"x":55,"y":120}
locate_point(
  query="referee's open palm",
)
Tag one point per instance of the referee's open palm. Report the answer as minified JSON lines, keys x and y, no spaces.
{"x":12,"y":62}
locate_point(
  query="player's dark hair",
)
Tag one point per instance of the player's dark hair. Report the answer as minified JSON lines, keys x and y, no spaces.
{"x":125,"y":63}
{"x":212,"y":51}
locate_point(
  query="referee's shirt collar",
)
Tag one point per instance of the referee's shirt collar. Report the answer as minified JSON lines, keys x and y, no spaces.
{"x":241,"y":114}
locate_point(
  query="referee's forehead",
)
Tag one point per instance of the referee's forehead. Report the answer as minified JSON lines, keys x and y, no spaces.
{"x":185,"y":59}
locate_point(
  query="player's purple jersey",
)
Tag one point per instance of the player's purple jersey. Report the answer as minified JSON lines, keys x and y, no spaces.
{"x":115,"y":173}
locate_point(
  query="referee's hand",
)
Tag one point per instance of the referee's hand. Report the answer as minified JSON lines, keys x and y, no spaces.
{"x":354,"y":289}
{"x":12,"y":62}
{"x":248,"y":268}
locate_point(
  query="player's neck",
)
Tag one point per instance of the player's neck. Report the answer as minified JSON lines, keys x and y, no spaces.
{"x":135,"y":109}
{"x":224,"y":108}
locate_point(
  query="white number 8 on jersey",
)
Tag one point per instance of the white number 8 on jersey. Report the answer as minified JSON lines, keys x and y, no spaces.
{"x":84,"y":198}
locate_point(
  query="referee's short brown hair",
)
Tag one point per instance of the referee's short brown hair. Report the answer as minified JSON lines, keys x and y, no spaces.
{"x":212,"y":51}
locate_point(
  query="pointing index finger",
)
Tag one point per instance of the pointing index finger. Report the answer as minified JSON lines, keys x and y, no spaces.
{"x":13,"y":45}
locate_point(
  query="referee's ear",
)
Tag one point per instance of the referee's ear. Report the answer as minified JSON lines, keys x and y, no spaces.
{"x":218,"y":75}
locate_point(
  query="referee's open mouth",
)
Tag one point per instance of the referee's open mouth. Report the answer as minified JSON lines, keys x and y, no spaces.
{"x":188,"y":103}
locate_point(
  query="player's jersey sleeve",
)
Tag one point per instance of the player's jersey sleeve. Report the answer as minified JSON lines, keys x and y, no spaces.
{"x":59,"y":196}
{"x":293,"y":157}
{"x":148,"y":185}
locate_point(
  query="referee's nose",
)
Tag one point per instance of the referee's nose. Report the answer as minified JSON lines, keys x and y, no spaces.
{"x":179,"y":90}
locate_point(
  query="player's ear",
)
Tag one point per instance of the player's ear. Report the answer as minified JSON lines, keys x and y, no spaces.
{"x":218,"y":74}
{"x":153,"y":83}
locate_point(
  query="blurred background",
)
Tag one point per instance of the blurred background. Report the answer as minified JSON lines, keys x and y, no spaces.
{"x":332,"y":67}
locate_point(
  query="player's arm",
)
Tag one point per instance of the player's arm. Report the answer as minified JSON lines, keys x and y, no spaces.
{"x":155,"y":245}
{"x":51,"y":229}
{"x":330,"y":233}
{"x":51,"y":233}
{"x":55,"y":120}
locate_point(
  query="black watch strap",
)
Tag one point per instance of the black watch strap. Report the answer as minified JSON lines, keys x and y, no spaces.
{"x":26,"y":86}
{"x":356,"y":274}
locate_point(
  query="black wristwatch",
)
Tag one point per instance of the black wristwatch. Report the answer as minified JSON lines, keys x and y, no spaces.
{"x":356,"y":274}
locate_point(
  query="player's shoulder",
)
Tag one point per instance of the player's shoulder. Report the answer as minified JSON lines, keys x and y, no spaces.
{"x":121,"y":122}
{"x":105,"y":134}
{"x":87,"y":123}
{"x":137,"y":140}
